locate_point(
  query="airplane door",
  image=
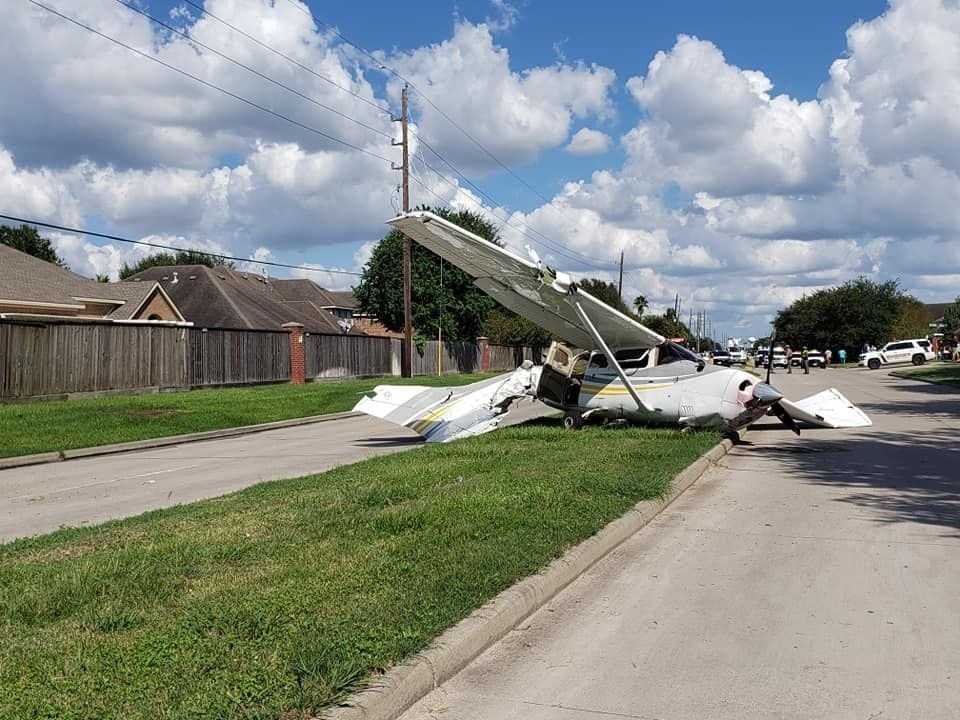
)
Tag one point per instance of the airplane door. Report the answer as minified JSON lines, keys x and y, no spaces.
{"x":555,"y":376}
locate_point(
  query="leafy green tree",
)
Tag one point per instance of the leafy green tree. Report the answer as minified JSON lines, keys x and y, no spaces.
{"x":505,"y":327}
{"x":669,"y":325}
{"x":605,"y":291}
{"x":913,"y":319}
{"x":951,"y":316}
{"x":26,"y":239}
{"x":180,"y":257}
{"x":640,"y":303}
{"x":443,"y":295}
{"x":859,"y":311}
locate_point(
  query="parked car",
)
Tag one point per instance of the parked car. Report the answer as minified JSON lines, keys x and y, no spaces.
{"x":738,"y":356}
{"x":899,"y":351}
{"x":722,"y":357}
{"x":779,"y":357}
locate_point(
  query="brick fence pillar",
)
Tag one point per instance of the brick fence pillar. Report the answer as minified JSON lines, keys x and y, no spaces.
{"x":297,"y":365}
{"x":484,"y":344}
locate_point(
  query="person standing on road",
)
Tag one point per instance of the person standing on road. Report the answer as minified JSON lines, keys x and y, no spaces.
{"x":803,"y":361}
{"x":842,"y":354}
{"x":827,"y":356}
{"x":789,"y":351}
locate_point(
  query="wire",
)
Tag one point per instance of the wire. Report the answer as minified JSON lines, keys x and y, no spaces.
{"x":213,"y":86}
{"x":175,"y":249}
{"x":252,"y":70}
{"x":286,"y":57}
{"x":380,"y":65}
{"x":595,"y":263}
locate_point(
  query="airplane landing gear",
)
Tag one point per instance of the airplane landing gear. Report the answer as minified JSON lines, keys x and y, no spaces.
{"x":572,"y":420}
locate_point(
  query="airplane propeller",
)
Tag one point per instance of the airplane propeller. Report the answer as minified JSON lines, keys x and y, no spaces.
{"x":767,"y":394}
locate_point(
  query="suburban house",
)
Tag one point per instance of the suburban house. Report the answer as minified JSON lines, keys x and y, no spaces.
{"x":220,"y":297}
{"x":33,"y":288}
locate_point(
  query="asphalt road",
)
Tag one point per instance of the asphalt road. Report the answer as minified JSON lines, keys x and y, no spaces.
{"x":811,"y":577}
{"x":41,"y":498}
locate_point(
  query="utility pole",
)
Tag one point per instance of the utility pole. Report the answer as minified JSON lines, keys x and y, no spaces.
{"x":620,"y":286}
{"x":406,"y":354}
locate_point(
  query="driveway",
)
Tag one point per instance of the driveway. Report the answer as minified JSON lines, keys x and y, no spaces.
{"x":41,"y":498}
{"x":811,"y":577}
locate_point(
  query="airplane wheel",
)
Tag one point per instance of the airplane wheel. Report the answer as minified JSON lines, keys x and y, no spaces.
{"x":572,"y":420}
{"x":873,"y":363}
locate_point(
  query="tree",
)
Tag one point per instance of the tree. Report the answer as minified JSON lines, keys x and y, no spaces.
{"x":913,"y":319}
{"x":181,"y":257}
{"x":605,"y":291}
{"x":26,"y":239}
{"x":640,"y":303}
{"x":505,"y":327}
{"x":951,"y":316}
{"x":859,"y":311}
{"x":443,"y":295}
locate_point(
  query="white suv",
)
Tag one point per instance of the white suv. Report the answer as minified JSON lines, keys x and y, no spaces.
{"x":899,"y":351}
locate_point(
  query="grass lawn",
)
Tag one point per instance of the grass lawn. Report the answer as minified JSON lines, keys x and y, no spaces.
{"x":278,"y":600}
{"x":945,"y":373}
{"x":27,"y":428}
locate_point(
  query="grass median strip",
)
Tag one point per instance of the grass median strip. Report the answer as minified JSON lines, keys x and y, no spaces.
{"x":275,"y":602}
{"x":65,"y":425}
{"x":944,"y":373}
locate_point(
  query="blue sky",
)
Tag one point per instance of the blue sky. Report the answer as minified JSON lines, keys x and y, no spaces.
{"x":740,"y":154}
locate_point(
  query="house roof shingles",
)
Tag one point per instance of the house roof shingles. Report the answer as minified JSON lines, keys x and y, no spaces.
{"x":24,"y":278}
{"x":225,"y":298}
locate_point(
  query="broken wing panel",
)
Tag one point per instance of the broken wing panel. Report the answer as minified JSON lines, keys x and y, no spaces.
{"x":829,"y":409}
{"x":518,"y":284}
{"x":445,"y":414}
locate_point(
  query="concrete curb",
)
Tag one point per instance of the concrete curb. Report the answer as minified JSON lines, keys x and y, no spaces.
{"x":392,"y":694}
{"x":49,"y":457}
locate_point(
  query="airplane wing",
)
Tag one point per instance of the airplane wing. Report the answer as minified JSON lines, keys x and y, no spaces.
{"x":442,"y":414}
{"x":829,"y":409}
{"x":539,"y":294}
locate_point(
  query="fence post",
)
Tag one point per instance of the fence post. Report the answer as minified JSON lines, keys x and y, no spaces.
{"x":297,"y":366}
{"x":484,"y":345}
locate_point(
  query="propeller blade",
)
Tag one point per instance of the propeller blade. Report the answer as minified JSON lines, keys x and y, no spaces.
{"x":785,"y":418}
{"x":773,"y":337}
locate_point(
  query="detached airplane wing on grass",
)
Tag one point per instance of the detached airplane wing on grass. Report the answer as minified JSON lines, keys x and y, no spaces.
{"x":828,"y":409}
{"x":537,"y":293}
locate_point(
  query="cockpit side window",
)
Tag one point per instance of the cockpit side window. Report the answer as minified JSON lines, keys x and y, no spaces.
{"x":672,"y":352}
{"x":598,"y":360}
{"x":633,"y":359}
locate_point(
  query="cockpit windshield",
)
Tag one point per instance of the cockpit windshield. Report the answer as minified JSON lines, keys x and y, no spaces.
{"x":672,"y":352}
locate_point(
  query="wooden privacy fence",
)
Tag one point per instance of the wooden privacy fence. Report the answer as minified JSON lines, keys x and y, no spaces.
{"x":238,"y":357}
{"x":38,"y":359}
{"x":59,"y":358}
{"x":338,"y":356}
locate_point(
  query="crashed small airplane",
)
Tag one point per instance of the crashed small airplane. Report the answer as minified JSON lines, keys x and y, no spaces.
{"x":630,"y":373}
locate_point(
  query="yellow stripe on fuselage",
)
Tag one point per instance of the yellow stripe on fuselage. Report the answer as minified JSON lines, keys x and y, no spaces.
{"x":616,"y":389}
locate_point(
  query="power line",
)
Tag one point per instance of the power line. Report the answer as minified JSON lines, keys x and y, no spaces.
{"x":286,"y":57}
{"x":379,"y":64}
{"x":546,"y":241}
{"x":253,"y":70}
{"x":175,"y":249}
{"x":212,"y":85}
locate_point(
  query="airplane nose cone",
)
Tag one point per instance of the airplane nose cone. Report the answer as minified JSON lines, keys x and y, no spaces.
{"x":766,"y":394}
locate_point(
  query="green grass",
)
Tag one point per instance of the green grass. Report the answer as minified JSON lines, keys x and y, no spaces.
{"x":278,"y":600}
{"x":945,"y":373}
{"x":29,"y":428}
